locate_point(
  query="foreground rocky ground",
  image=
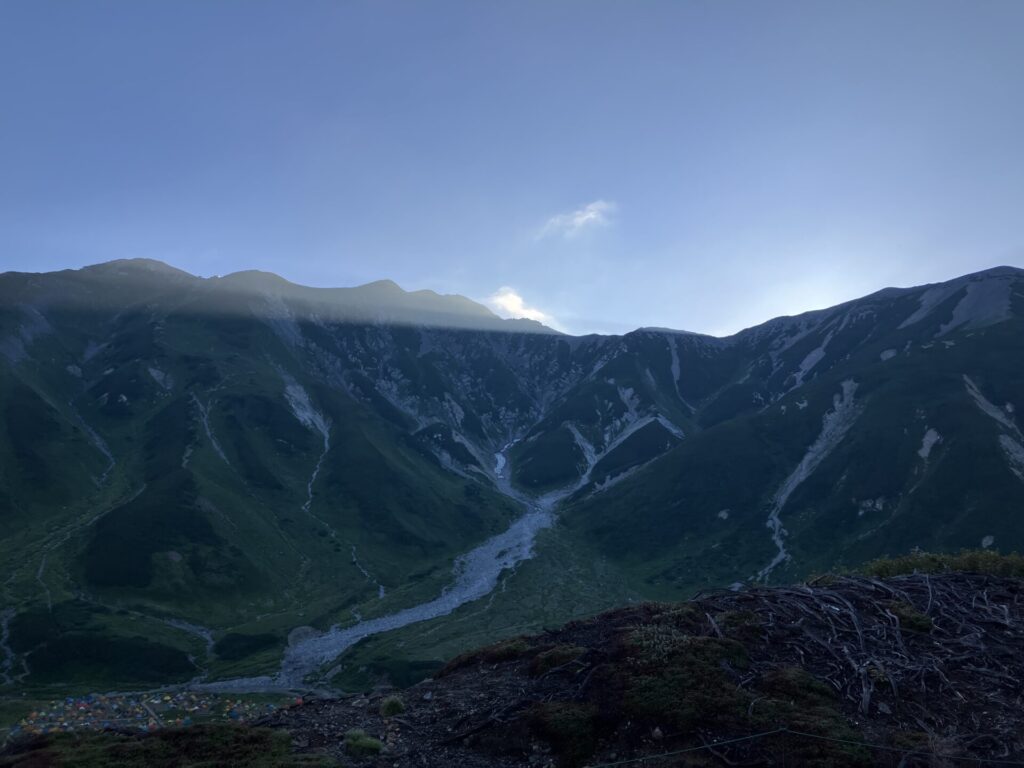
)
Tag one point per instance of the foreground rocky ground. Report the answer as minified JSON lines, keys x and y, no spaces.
{"x":927,"y":663}
{"x":915,"y":669}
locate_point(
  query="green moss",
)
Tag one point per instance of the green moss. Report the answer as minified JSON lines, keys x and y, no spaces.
{"x":671,"y":678}
{"x":910,"y":618}
{"x":359,"y":744}
{"x":984,"y":561}
{"x":791,"y":697}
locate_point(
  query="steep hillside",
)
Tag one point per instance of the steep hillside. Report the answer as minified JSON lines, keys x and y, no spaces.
{"x":817,"y":673}
{"x":192,"y":469}
{"x":914,"y":669}
{"x":868,"y":429}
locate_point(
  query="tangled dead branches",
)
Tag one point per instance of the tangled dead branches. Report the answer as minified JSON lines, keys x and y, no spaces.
{"x":943,"y":654}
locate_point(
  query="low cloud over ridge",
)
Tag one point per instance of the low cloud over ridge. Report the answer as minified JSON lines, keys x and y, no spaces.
{"x":507,"y":302}
{"x":591,"y":215}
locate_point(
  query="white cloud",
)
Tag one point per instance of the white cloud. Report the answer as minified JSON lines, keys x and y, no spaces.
{"x":507,"y":302}
{"x":595,"y":214}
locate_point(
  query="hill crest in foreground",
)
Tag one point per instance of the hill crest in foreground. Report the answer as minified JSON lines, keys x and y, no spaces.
{"x":844,"y":671}
{"x":911,"y":662}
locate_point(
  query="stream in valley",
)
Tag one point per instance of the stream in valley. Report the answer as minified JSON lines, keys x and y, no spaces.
{"x":475,"y":574}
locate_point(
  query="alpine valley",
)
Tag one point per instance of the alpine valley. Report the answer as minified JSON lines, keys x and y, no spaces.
{"x":241,"y":483}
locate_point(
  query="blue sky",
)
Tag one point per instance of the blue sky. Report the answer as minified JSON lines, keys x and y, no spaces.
{"x":698,"y":164}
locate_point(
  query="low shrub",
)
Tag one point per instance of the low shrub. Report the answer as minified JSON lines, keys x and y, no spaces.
{"x":985,"y":561}
{"x":391,"y":706}
{"x":359,"y":743}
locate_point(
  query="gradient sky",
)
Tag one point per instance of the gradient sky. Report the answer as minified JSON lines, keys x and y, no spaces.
{"x":697,"y":164}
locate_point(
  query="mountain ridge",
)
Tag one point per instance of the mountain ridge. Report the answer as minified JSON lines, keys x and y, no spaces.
{"x":388,"y":286}
{"x":249,"y":463}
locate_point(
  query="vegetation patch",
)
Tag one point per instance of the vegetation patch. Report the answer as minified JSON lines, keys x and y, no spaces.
{"x":234,"y":645}
{"x":910,"y":618}
{"x":680,"y":680}
{"x":360,"y":744}
{"x":555,"y":657}
{"x":570,"y":728}
{"x":984,"y":561}
{"x":90,"y":658}
{"x":506,"y":650}
{"x":792,"y":696}
{"x":391,"y":706}
{"x":200,"y":745}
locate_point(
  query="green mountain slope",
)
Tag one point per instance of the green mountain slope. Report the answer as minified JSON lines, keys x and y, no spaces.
{"x":190,"y":466}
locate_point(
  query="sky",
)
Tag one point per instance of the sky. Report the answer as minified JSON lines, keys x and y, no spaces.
{"x":695,"y":164}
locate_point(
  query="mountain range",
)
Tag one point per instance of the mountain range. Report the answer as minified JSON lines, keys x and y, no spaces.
{"x":199,"y":475}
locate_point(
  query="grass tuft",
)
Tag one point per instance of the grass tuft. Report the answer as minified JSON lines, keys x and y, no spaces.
{"x":359,"y":743}
{"x":985,"y":561}
{"x":391,"y":706}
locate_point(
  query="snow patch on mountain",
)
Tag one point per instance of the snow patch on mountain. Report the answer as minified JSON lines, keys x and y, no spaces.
{"x":834,"y":426}
{"x":1011,"y":441}
{"x":673,"y":347}
{"x":813,"y":357}
{"x":303,"y":410}
{"x":164,"y":380}
{"x":204,"y":418}
{"x":455,"y":410}
{"x":929,"y":299}
{"x":870,"y":505}
{"x":623,"y":430}
{"x":929,"y":441}
{"x":1014,"y":452}
{"x":986,"y":302}
{"x":989,"y":408}
{"x":590,"y":455}
{"x":613,"y":480}
{"x":673,"y":428}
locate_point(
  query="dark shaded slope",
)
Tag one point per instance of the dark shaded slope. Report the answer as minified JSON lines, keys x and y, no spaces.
{"x":922,"y":662}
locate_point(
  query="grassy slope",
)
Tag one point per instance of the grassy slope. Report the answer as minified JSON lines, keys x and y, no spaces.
{"x":961,"y":494}
{"x":223,"y":543}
